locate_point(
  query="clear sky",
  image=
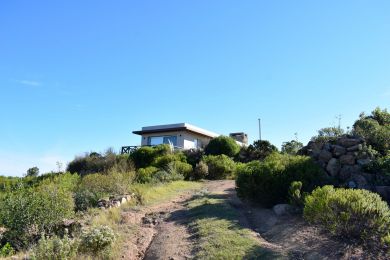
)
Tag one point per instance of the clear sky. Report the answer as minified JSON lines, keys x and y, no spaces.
{"x":78,"y":76}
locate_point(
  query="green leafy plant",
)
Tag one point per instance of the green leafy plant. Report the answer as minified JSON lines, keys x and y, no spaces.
{"x":222,"y":145}
{"x":219,"y":166}
{"x":295,"y":195}
{"x":7,"y":250}
{"x":97,"y":240}
{"x":358,"y":214}
{"x":145,"y":156}
{"x":145,"y":175}
{"x":268,"y":182}
{"x":200,"y":171}
{"x":26,"y":213}
{"x":55,"y":248}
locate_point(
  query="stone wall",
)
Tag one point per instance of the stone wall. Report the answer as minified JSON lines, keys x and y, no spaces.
{"x":344,"y":159}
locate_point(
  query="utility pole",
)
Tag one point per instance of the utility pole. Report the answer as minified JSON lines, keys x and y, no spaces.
{"x":259,"y":129}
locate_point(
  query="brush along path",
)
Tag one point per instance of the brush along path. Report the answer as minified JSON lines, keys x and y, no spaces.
{"x":215,"y":224}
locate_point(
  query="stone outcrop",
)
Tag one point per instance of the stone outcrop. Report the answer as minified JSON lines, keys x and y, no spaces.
{"x":114,"y":202}
{"x":344,"y":159}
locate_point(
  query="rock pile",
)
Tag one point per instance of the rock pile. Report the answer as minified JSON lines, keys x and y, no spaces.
{"x":344,"y":159}
{"x":114,"y":201}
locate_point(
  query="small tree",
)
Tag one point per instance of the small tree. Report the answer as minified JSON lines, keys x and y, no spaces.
{"x":291,"y":147}
{"x":32,"y":172}
{"x":222,"y":145}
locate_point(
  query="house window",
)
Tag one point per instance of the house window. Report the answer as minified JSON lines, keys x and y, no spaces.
{"x":156,"y":140}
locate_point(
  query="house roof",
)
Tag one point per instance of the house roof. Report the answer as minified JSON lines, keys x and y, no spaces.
{"x":175,"y":127}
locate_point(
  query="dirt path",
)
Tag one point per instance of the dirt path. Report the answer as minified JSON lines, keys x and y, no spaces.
{"x":162,"y":231}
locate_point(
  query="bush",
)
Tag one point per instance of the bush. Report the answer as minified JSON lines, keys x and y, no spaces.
{"x":295,"y":196}
{"x":201,"y":171}
{"x":375,"y":129}
{"x":145,"y":156}
{"x":193,"y":156}
{"x":259,"y":150}
{"x":164,"y":160}
{"x":182,"y":168}
{"x":170,"y":173}
{"x":222,"y":145}
{"x":55,"y":248}
{"x":97,"y":240}
{"x":92,"y":163}
{"x":26,"y":213}
{"x":358,"y":214}
{"x":219,"y":166}
{"x":7,"y":250}
{"x":101,"y":185}
{"x":145,"y":175}
{"x":381,"y":164}
{"x":268,"y":182}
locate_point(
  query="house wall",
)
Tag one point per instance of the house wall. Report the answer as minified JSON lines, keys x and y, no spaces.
{"x":185,"y":139}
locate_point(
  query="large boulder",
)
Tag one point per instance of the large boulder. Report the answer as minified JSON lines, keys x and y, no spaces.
{"x":355,"y":148}
{"x":325,"y":156}
{"x":338,"y":150}
{"x":349,"y":141}
{"x":347,"y":171}
{"x":333,"y":167}
{"x":283,"y":209}
{"x":384,"y":191}
{"x":347,"y":159}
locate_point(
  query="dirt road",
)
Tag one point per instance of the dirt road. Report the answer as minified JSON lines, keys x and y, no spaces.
{"x":162,"y":231}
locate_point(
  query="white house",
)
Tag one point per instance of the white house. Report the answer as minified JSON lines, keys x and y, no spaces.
{"x":182,"y":135}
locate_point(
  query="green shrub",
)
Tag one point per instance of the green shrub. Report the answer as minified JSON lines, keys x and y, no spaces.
{"x":55,"y":248}
{"x":164,"y":160}
{"x":380,"y":164}
{"x":92,"y":163}
{"x":295,"y":196}
{"x":219,"y":166}
{"x":200,"y":171}
{"x":268,"y":182}
{"x":259,"y":150}
{"x":182,"y":168}
{"x":170,"y":173}
{"x":375,"y":129}
{"x":145,"y":175}
{"x":193,"y":156}
{"x":145,"y":156}
{"x":7,"y":250}
{"x":26,"y":213}
{"x":101,"y":185}
{"x":349,"y":213}
{"x":97,"y":240}
{"x":222,"y":145}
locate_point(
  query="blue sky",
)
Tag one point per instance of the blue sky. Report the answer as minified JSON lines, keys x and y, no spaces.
{"x":78,"y":76}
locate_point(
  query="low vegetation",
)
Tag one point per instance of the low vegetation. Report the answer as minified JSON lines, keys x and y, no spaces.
{"x":356,"y":214}
{"x":215,"y":222}
{"x":268,"y":182}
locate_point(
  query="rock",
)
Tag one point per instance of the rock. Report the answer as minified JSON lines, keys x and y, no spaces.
{"x":347,"y":159}
{"x":283,"y":209}
{"x":325,"y":156}
{"x":384,"y":191}
{"x":327,"y":147}
{"x":123,"y":200}
{"x":347,"y":171}
{"x":360,"y":181}
{"x":349,"y":142}
{"x":355,"y":148}
{"x":363,"y":162}
{"x":338,"y":150}
{"x":333,"y":167}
